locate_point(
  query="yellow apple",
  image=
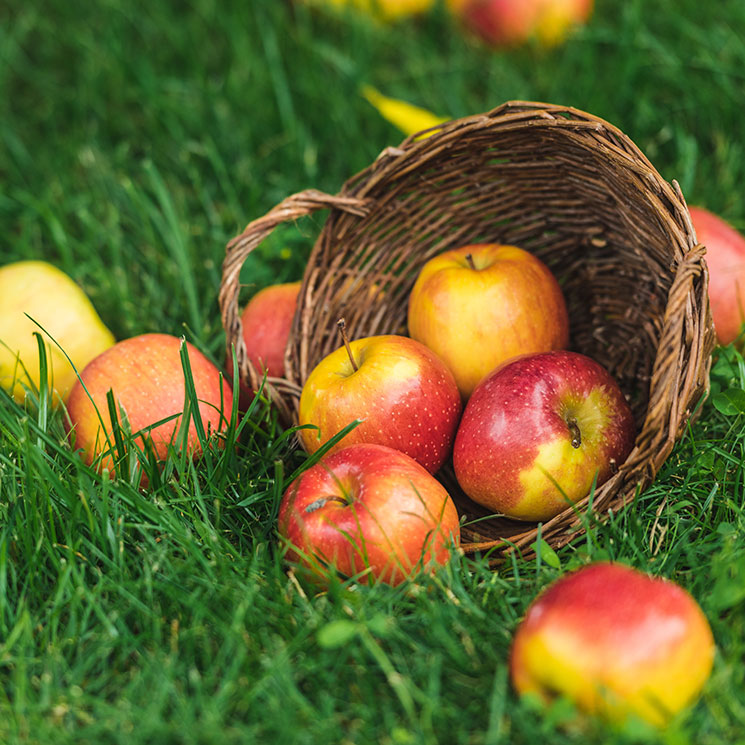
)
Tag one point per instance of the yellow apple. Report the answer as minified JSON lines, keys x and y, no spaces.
{"x":387,"y":10}
{"x":478,"y":306}
{"x":403,"y":394}
{"x":53,"y":300}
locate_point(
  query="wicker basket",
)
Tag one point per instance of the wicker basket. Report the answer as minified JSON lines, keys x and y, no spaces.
{"x":559,"y":182}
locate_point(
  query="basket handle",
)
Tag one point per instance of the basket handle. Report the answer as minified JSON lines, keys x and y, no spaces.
{"x":293,"y":207}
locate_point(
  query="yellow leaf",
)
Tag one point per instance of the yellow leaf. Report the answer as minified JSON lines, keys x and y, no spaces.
{"x":407,"y":117}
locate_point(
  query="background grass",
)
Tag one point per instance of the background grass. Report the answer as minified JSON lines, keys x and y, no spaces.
{"x":136,"y":138}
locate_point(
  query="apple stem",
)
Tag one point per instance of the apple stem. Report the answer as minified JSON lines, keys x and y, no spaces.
{"x":574,"y":431}
{"x":469,"y":259}
{"x":322,"y":501}
{"x":342,"y":326}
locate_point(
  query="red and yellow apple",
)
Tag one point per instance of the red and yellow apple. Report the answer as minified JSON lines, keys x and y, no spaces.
{"x":725,"y":257}
{"x":401,"y":391}
{"x":509,"y":22}
{"x":615,"y":641}
{"x":266,"y":320}
{"x":368,"y":510}
{"x":478,"y":306}
{"x":538,"y":431}
{"x":46,"y":294}
{"x":146,"y":376}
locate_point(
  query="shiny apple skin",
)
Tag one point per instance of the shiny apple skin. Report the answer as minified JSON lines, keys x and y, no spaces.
{"x":615,"y":641}
{"x":387,"y":518}
{"x":403,"y":393}
{"x":147,"y":379}
{"x":267,"y":319}
{"x":514,"y":434}
{"x":475,"y":320}
{"x":725,"y":257}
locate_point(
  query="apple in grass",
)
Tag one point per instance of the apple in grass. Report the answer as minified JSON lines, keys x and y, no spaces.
{"x":725,"y":257}
{"x":146,"y":376}
{"x":404,"y":395}
{"x":368,"y":510}
{"x":510,"y":22}
{"x":480,"y":305}
{"x":42,"y":292}
{"x":267,"y":319}
{"x":615,"y":641}
{"x":539,"y":431}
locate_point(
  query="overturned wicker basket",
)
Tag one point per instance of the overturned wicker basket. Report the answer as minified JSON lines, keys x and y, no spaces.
{"x":559,"y":182}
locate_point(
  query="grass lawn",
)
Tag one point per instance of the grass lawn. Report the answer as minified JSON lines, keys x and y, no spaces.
{"x":136,"y":138}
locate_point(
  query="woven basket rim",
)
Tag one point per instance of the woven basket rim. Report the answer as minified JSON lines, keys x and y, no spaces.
{"x":686,"y":338}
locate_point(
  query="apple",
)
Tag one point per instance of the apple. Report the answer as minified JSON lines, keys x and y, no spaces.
{"x":386,"y":10}
{"x":538,"y":431}
{"x":53,"y":300}
{"x":147,"y":379}
{"x":615,"y":641}
{"x":478,"y":306}
{"x":368,"y":509}
{"x":509,"y":22}
{"x":266,"y":320}
{"x":725,"y":257}
{"x":401,"y":391}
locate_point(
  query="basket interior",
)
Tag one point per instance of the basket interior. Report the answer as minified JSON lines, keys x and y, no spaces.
{"x":571,"y":189}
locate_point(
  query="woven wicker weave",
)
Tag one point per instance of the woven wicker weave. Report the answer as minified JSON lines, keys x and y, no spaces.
{"x":559,"y":182}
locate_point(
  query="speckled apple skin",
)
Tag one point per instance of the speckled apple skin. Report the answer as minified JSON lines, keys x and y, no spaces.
{"x":146,"y":376}
{"x":513,"y":444}
{"x":476,"y":320}
{"x":617,"y":642}
{"x":267,"y":319}
{"x":725,"y":257}
{"x":404,"y":394}
{"x":399,"y":519}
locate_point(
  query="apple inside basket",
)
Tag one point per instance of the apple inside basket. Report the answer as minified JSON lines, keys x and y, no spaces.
{"x":560,"y":183}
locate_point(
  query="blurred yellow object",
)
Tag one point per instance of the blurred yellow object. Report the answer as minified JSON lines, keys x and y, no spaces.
{"x":455,"y":5}
{"x":407,"y":117}
{"x":558,"y":18}
{"x":53,"y":300}
{"x":387,"y":10}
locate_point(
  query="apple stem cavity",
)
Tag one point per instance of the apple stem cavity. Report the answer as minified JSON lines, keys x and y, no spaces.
{"x":574,"y":431}
{"x":470,"y":261}
{"x":323,"y":501}
{"x":342,"y":326}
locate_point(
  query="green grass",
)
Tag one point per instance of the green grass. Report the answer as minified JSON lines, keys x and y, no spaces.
{"x":136,"y":138}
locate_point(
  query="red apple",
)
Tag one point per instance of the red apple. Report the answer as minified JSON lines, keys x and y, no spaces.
{"x":508,"y":22}
{"x":403,"y":393}
{"x":537,"y":432}
{"x":368,"y":509}
{"x":615,"y":641}
{"x":266,"y":320}
{"x":725,"y":257}
{"x":475,"y":313}
{"x":147,"y":380}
